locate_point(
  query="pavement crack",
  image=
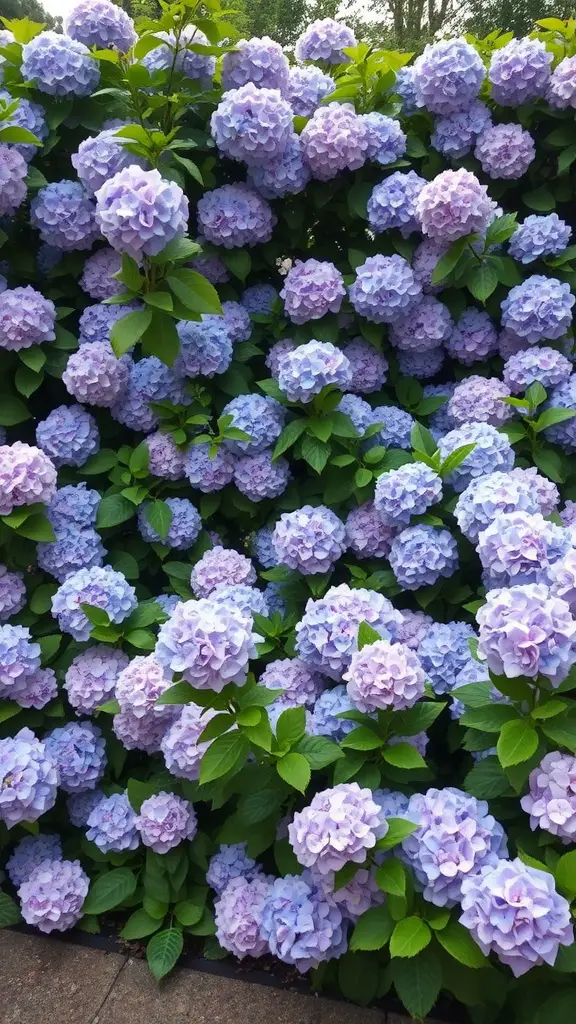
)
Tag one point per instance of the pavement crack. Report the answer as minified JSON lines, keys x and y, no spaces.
{"x":95,"y":1018}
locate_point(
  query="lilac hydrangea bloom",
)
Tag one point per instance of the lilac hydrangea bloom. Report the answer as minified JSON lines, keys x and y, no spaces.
{"x":235,"y":216}
{"x":539,"y":236}
{"x":492,"y":452}
{"x":64,"y":214}
{"x":210,"y":266}
{"x":259,"y":62}
{"x":392,"y":203}
{"x":505,"y":151}
{"x":307,"y":87}
{"x":366,"y":534}
{"x":176,"y":53}
{"x":150,"y":381}
{"x":100,"y":587}
{"x":237,"y":320}
{"x":339,"y":826}
{"x":407,"y":491}
{"x":325,"y":40}
{"x":521,"y":547}
{"x":357,"y":410}
{"x":551,"y":801}
{"x":479,"y":400}
{"x":385,"y":289}
{"x":443,"y":652}
{"x":81,"y":805}
{"x":301,"y":924}
{"x":248,"y":600}
{"x":525,"y":630}
{"x":139,"y":684}
{"x":561,"y":92}
{"x":324,"y":720}
{"x":519,"y":72}
{"x":513,"y":910}
{"x":563,"y":577}
{"x":144,"y":733}
{"x":561,"y":397}
{"x":210,"y":644}
{"x":112,"y":825}
{"x":29,"y":853}
{"x":73,"y":549}
{"x":29,"y":115}
{"x":383,"y":676}
{"x":386,"y":140}
{"x":252,"y":125}
{"x":98,"y":279}
{"x":139,"y":212}
{"x":39,"y":688}
{"x":180,"y":744}
{"x":100,"y":157}
{"x":12,"y":593}
{"x":259,"y":416}
{"x":185,"y":524}
{"x":91,"y":678}
{"x":59,"y":66}
{"x":487,"y":496}
{"x":312,"y":288}
{"x":426,"y":327}
{"x":28,"y":778}
{"x":286,"y":174}
{"x":395,"y":427}
{"x":79,"y":751}
{"x":165,"y":820}
{"x":309,"y":368}
{"x":357,"y":896}
{"x":539,"y":308}
{"x":165,"y":458}
{"x":456,"y":837}
{"x":259,"y":476}
{"x":568,"y":513}
{"x":368,"y":366}
{"x":413,"y":628}
{"x":405,"y":88}
{"x":238,"y":915}
{"x":474,"y":337}
{"x":27,"y":476}
{"x":301,"y":685}
{"x":13,"y":171}
{"x":262,"y":547}
{"x":327,"y":634}
{"x":102,"y":24}
{"x":68,"y":435}
{"x":335,"y":139}
{"x":309,"y":539}
{"x":228,"y":863}
{"x":422,"y":365}
{"x":543,"y":364}
{"x":52,"y":897}
{"x":220,"y":567}
{"x":95,"y":375}
{"x":452,"y":205}
{"x":448,"y":76}
{"x":96,"y":321}
{"x":455,"y":134}
{"x":421,"y":555}
{"x":426,"y":257}
{"x":206,"y":473}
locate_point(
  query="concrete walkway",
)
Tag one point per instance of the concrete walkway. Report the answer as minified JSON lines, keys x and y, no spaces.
{"x":51,"y":982}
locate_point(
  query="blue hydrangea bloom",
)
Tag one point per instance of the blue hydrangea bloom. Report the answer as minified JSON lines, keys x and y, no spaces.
{"x":59,"y":66}
{"x":307,"y":87}
{"x":492,"y":451}
{"x":261,"y":62}
{"x":235,"y":216}
{"x":540,"y":307}
{"x":29,"y":853}
{"x":101,"y":156}
{"x":325,"y":40}
{"x":455,"y":134}
{"x":259,"y":476}
{"x":282,"y":175}
{"x":405,"y":88}
{"x":96,"y":321}
{"x":29,"y":115}
{"x":239,"y":595}
{"x":205,"y":347}
{"x":259,"y":298}
{"x":406,"y":492}
{"x":448,"y":76}
{"x":444,"y":651}
{"x":19,"y":659}
{"x":102,"y":24}
{"x":302,"y":925}
{"x":386,"y":140}
{"x":395,"y":427}
{"x":309,"y":368}
{"x":74,"y":504}
{"x":519,"y":72}
{"x":101,"y":587}
{"x":209,"y":474}
{"x":230,"y":862}
{"x":252,"y":125}
{"x":73,"y":549}
{"x":358,"y":410}
{"x":64,"y":214}
{"x":393,"y":203}
{"x":81,"y":805}
{"x":150,"y":381}
{"x":79,"y":750}
{"x":112,"y":825}
{"x":258,"y":415}
{"x":184,"y":528}
{"x":563,"y":397}
{"x":310,"y":539}
{"x":421,"y":555}
{"x":238,"y":322}
{"x":385,"y":289}
{"x":69,"y":435}
{"x":262,"y":547}
{"x":539,"y":236}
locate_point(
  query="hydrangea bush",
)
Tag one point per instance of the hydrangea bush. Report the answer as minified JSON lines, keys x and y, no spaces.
{"x":288,"y":548}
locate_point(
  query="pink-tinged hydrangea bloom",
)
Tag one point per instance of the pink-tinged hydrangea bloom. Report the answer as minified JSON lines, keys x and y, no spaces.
{"x":385,"y":289}
{"x":220,"y":567}
{"x":366,"y":535}
{"x":139,"y":684}
{"x":91,"y":678}
{"x":473,"y":339}
{"x":339,"y":826}
{"x":444,"y":651}
{"x":312,"y":288}
{"x":69,"y":436}
{"x":166,"y":820}
{"x":513,"y":910}
{"x":335,"y":139}
{"x":238,"y":915}
{"x":59,"y":66}
{"x":425,"y":328}
{"x":101,"y":587}
{"x":112,"y":825}
{"x":286,"y":174}
{"x":12,"y":593}
{"x":405,"y":492}
{"x":64,"y":214}
{"x":563,"y":577}
{"x":452,"y":205}
{"x":28,"y":778}
{"x":300,"y":684}
{"x":357,"y":896}
{"x":38,"y":689}
{"x":392,"y":203}
{"x":51,"y":899}
{"x":327,"y":634}
{"x":252,"y":125}
{"x":455,"y":134}
{"x":310,"y":539}
{"x":479,"y":400}
{"x":79,"y":751}
{"x":526,"y":631}
{"x":95,"y":375}
{"x":369,"y":366}
{"x":181,"y":746}
{"x":492,"y":451}
{"x":325,"y":40}
{"x":426,"y":257}
{"x":29,"y":853}
{"x":456,"y":837}
{"x":210,"y":644}
{"x":413,"y":628}
{"x":386,"y":140}
{"x":101,"y":156}
{"x":27,"y":476}
{"x":207,"y":473}
{"x":98,"y":279}
{"x":259,"y":62}
{"x":539,"y":308}
{"x":447,"y":76}
{"x":235,"y":216}
{"x":309,"y":368}
{"x":521,"y":547}
{"x":561,"y":92}
{"x":519,"y":72}
{"x":144,"y":733}
{"x":383,"y":676}
{"x":487,"y":496}
{"x":165,"y":459}
{"x":551,"y":802}
{"x":13,"y":171}
{"x":307,"y":87}
{"x":176,"y":53}
{"x":259,"y":476}
{"x":302,"y":924}
{"x":102,"y":24}
{"x":539,"y":236}
{"x":139,"y":212}
{"x":421,"y":555}
{"x":229,"y":863}
{"x":505,"y":151}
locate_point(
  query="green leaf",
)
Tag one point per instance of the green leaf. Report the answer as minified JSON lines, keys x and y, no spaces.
{"x":109,"y":891}
{"x":417,"y":719}
{"x":295,"y":770}
{"x":188,"y":912}
{"x":319,"y":751}
{"x":163,"y":951}
{"x":12,"y":411}
{"x":517,"y":742}
{"x":27,"y":381}
{"x":129,"y":329}
{"x":139,"y":925}
{"x":159,"y":515}
{"x":96,"y":616}
{"x":14,"y":134}
{"x":113,"y":510}
{"x":449,"y":260}
{"x":362,"y":738}
{"x":8,"y":709}
{"x":291,"y":726}
{"x":541,"y":200}
{"x":551,"y":416}
{"x":373,"y":929}
{"x":566,"y":158}
{"x":391,"y":877}
{"x":403,"y":755}
{"x":475,"y":695}
{"x":194,"y":291}
{"x":238,"y":262}
{"x":100,"y":463}
{"x":179,"y":693}
{"x":489,"y":718}
{"x":486,"y":780}
{"x":315,"y":452}
{"x":398,"y":830}
{"x":501,"y":229}
{"x":455,"y":459}
{"x":410,"y":936}
{"x":357,"y":198}
{"x":481,"y":280}
{"x":550,"y":463}
{"x":37,"y":527}
{"x":566,"y":959}
{"x":179,"y":249}
{"x":224,"y":755}
{"x":458,"y":942}
{"x":417,"y":981}
{"x":289,"y":436}
{"x":9,"y":911}
{"x":359,"y":977}
{"x":422,"y":440}
{"x":367,"y":635}
{"x":565,"y":874}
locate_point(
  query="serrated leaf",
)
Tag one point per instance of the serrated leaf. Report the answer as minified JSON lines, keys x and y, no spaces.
{"x":163,"y":951}
{"x":373,"y":929}
{"x":129,"y":329}
{"x":458,"y":942}
{"x":113,"y":510}
{"x":295,"y":770}
{"x":417,"y":982}
{"x":225,"y":754}
{"x":391,"y":877}
{"x":109,"y":891}
{"x":398,"y":830}
{"x":9,"y":911}
{"x":517,"y":742}
{"x":159,"y":516}
{"x":410,"y":936}
{"x":139,"y":925}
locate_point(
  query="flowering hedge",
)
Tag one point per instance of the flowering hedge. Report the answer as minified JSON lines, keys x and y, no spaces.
{"x":288,"y":580}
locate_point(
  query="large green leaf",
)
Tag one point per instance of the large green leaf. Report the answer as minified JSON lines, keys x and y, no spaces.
{"x":373,"y":929}
{"x":109,"y":891}
{"x":517,"y":742}
{"x":417,"y":981}
{"x":223,"y":755}
{"x":163,"y":951}
{"x":409,"y":937}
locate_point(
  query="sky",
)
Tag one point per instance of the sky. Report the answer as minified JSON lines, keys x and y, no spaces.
{"x":58,"y":6}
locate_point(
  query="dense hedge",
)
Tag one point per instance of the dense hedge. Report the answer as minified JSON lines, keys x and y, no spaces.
{"x":288,"y":581}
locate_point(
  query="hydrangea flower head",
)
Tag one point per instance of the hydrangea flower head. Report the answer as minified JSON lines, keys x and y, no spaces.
{"x":301,"y":923}
{"x":165,"y":459}
{"x":248,"y":600}
{"x":100,"y":157}
{"x":29,"y":853}
{"x":91,"y":678}
{"x":444,"y":651}
{"x":492,"y":452}
{"x":539,"y":236}
{"x":452,"y":205}
{"x":13,"y":171}
{"x":26,"y":318}
{"x":538,"y":309}
{"x":386,"y":140}
{"x":64,"y":213}
{"x":385,"y":289}
{"x":519,"y":72}
{"x":325,"y":40}
{"x":150,"y":380}
{"x":69,"y":436}
{"x":228,"y":863}
{"x":102,"y":24}
{"x":473,"y":338}
{"x":479,"y":400}
{"x":238,"y":914}
{"x":384,"y":675}
{"x":59,"y":66}
{"x":487,"y":496}
{"x":235,"y":216}
{"x":27,"y":115}
{"x":218,"y":567}
{"x":421,"y":555}
{"x":521,"y":547}
{"x":551,"y":801}
{"x":98,"y":279}
{"x":165,"y":820}
{"x":366,"y":534}
{"x":286,"y":174}
{"x":139,"y":212}
{"x":184,"y":528}
{"x":259,"y":476}
{"x":139,"y":684}
{"x":561,"y":92}
{"x":307,"y":87}
{"x":335,"y":139}
{"x":338,"y":827}
{"x":210,"y":266}
{"x":177,"y":53}
{"x":455,"y":134}
{"x":447,"y":76}
{"x":413,"y":628}
{"x":52,"y":897}
{"x":309,"y":368}
{"x":209,"y":643}
{"x":28,"y":778}
{"x":392,"y":203}
{"x":324,"y":720}
{"x":395,"y":427}
{"x":252,"y":124}
{"x":112,"y":825}
{"x":237,"y":321}
{"x":312,"y":289}
{"x":101,"y":587}
{"x":563,"y":397}
{"x":27,"y":476}
{"x":95,"y":375}
{"x":505,"y":151}
{"x":301,"y":685}
{"x":144,"y":733}
{"x":405,"y":88}
{"x":424,"y":329}
{"x":96,"y":321}
{"x":180,"y":744}
{"x":79,"y":752}
{"x":369,"y":366}
{"x":81,"y":805}
{"x":310,"y":539}
{"x":73,"y":549}
{"x":12,"y":593}
{"x":259,"y":62}
{"x":207,"y":473}
{"x":358,"y":411}
{"x":407,"y":491}
{"x":426,"y":256}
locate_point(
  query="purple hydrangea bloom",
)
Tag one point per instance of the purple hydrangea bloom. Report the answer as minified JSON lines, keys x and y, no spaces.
{"x":487,"y":496}
{"x":545,"y":365}
{"x":339,"y":826}
{"x":185,"y":524}
{"x":248,"y":600}
{"x":210,"y":266}
{"x":100,"y":587}
{"x":59,"y":66}
{"x":81,"y":805}
{"x":335,"y":139}
{"x":237,"y":321}
{"x":96,"y":321}
{"x":13,"y":171}
{"x":238,"y":915}
{"x":492,"y":452}
{"x":29,"y":853}
{"x":413,"y":628}
{"x":539,"y":308}
{"x":385,"y":289}
{"x":259,"y":477}
{"x":79,"y":751}
{"x":392,"y":203}
{"x":525,"y":630}
{"x":568,"y":513}
{"x":425,"y":328}
{"x":422,"y":365}
{"x":474,"y":337}
{"x":39,"y":688}
{"x":100,"y":157}
{"x":173,"y":53}
{"x":144,"y":733}
{"x":405,"y":492}
{"x":505,"y":151}
{"x":563,"y":576}
{"x":210,"y":644}
{"x":12,"y":593}
{"x":139,"y":684}
{"x":252,"y":125}
{"x":73,"y":549}
{"x":448,"y":76}
{"x":95,"y":375}
{"x":27,"y":476}
{"x":180,"y":744}
{"x":312,"y":288}
{"x":424,"y":262}
{"x":64,"y":213}
{"x":324,"y":720}
{"x":69,"y":435}
{"x":102,"y":24}
{"x":452,"y":205}
{"x":98,"y":279}
{"x":235,"y":216}
{"x":369,"y":366}
{"x":539,"y":236}
{"x":561,"y":92}
{"x":383,"y":676}
{"x":357,"y":410}
{"x":205,"y":347}
{"x":112,"y":825}
{"x":396,"y":427}
{"x":165,"y":459}
{"x":150,"y":381}
{"x":455,"y":134}
{"x":258,"y":62}
{"x":228,"y":863}
{"x":456,"y":838}
{"x":28,"y":778}
{"x":52,"y":897}
{"x":301,"y":685}
{"x":357,"y":896}
{"x":220,"y":566}
{"x":29,"y":115}
{"x":262,"y":547}
{"x":91,"y":678}
{"x":286,"y":174}
{"x":561,"y":397}
{"x":391,"y":804}
{"x":167,"y":602}
{"x":309,"y":368}
{"x":309,"y":539}
{"x":421,"y":555}
{"x":165,"y":820}
{"x":208,"y":474}
{"x":386,"y":140}
{"x":366,"y":535}
{"x":479,"y":400}
{"x":325,"y":40}
{"x":307,"y":87}
{"x":139,"y":212}
{"x":327,"y":634}
{"x":405,"y":88}
{"x":257,"y":415}
{"x":519,"y":72}
{"x":259,"y":298}
{"x":301,"y":924}
{"x":513,"y":910}
{"x":521,"y":547}
{"x":443,"y":652}
{"x":551,"y":802}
